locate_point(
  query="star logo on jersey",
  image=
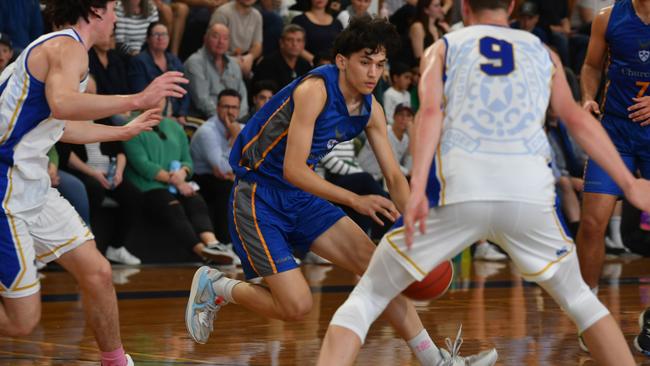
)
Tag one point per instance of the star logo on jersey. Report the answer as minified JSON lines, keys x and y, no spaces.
{"x":644,"y":52}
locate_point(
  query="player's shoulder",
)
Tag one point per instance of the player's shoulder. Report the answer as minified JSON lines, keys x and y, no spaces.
{"x":312,"y":87}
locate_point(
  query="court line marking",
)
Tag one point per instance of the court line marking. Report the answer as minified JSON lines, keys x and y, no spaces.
{"x":77,"y":347}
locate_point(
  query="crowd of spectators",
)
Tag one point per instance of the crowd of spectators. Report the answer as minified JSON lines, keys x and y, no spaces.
{"x":236,"y":51}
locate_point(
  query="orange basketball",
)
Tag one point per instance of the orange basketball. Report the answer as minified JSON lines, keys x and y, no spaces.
{"x":433,"y":285}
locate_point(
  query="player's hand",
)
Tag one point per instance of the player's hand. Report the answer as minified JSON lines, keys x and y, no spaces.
{"x":592,"y":107}
{"x":640,"y":111}
{"x":639,"y":194}
{"x":372,"y":204}
{"x":165,"y":85}
{"x":144,"y":122}
{"x":417,"y":210}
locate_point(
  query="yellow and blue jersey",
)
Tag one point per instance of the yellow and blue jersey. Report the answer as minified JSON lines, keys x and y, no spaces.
{"x":258,"y":153}
{"x":628,"y":70}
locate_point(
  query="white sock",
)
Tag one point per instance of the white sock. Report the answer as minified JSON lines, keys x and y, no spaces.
{"x":615,"y":230}
{"x":595,"y":290}
{"x":424,"y":349}
{"x":224,"y":286}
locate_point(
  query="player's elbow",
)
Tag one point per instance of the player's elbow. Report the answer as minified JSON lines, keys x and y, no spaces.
{"x":292,"y":174}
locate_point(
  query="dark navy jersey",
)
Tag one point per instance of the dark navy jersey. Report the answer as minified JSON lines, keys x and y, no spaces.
{"x":258,"y":152}
{"x":628,"y":72}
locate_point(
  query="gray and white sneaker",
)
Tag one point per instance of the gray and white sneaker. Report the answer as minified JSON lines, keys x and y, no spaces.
{"x":485,"y":358}
{"x":203,"y":304}
{"x":219,"y":253}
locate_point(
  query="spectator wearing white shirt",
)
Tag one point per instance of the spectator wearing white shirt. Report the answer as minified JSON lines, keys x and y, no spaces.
{"x":399,"y":143}
{"x":133,"y":19}
{"x":398,"y":93}
{"x":355,"y":9}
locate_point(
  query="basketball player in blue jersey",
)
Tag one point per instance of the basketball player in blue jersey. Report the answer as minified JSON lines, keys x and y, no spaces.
{"x":40,"y":91}
{"x":481,"y":156}
{"x":620,"y":37}
{"x":279,"y":205}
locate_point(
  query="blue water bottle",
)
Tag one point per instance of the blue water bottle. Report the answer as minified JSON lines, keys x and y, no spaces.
{"x":110,"y":174}
{"x":174,"y":166}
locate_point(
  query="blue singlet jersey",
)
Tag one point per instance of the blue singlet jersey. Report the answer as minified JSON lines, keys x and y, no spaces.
{"x":258,"y":152}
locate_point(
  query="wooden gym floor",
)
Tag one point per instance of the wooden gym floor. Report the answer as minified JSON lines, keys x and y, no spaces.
{"x":496,"y":308}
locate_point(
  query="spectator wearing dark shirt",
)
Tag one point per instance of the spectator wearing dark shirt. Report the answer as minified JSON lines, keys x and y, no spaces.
{"x":22,"y":20}
{"x":263,"y":90}
{"x":272,"y":25}
{"x":154,"y":60}
{"x":554,"y":19}
{"x":320,"y":29}
{"x":109,"y":71}
{"x":528,"y":20}
{"x":286,"y":64}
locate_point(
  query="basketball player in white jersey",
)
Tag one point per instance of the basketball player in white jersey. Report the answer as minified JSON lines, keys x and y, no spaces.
{"x":40,"y":90}
{"x":481,"y":155}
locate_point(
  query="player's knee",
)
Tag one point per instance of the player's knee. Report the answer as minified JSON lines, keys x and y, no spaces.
{"x":99,"y":275}
{"x":297,"y":310}
{"x":23,"y":327}
{"x":592,"y":225}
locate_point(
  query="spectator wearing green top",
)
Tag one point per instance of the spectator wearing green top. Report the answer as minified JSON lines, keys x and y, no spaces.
{"x":167,"y":195}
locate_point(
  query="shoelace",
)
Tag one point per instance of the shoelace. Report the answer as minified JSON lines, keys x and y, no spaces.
{"x":454,"y":348}
{"x":206,"y":314}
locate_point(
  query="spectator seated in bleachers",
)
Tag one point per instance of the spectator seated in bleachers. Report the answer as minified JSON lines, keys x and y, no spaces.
{"x":286,"y":64}
{"x":100,"y":166}
{"x":427,"y":26}
{"x":159,"y":166}
{"x":320,"y":29}
{"x":22,"y":21}
{"x":70,"y":187}
{"x":6,"y":51}
{"x":399,"y":143}
{"x":133,"y":19}
{"x":528,"y":20}
{"x":272,"y":25}
{"x":262,"y":90}
{"x":173,"y":14}
{"x":554,"y":19}
{"x":154,"y":60}
{"x":210,"y":70}
{"x":355,"y":9}
{"x":398,"y":93}
{"x":245,"y":24}
{"x":584,"y":12}
{"x":210,"y":149}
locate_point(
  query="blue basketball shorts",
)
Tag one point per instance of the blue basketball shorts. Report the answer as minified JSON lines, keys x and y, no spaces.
{"x":268,"y":225}
{"x":633,"y":144}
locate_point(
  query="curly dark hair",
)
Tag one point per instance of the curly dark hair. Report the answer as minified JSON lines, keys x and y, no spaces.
{"x":63,"y":12}
{"x":365,"y":31}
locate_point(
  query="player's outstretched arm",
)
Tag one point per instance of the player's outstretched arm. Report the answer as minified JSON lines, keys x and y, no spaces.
{"x":309,"y":99}
{"x":377,"y":134}
{"x":591,"y":136}
{"x":76,"y":132}
{"x":65,"y":66}
{"x":592,"y":68}
{"x":426,"y":136}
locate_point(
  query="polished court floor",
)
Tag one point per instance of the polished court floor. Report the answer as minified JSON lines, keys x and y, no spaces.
{"x":495,"y":307}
